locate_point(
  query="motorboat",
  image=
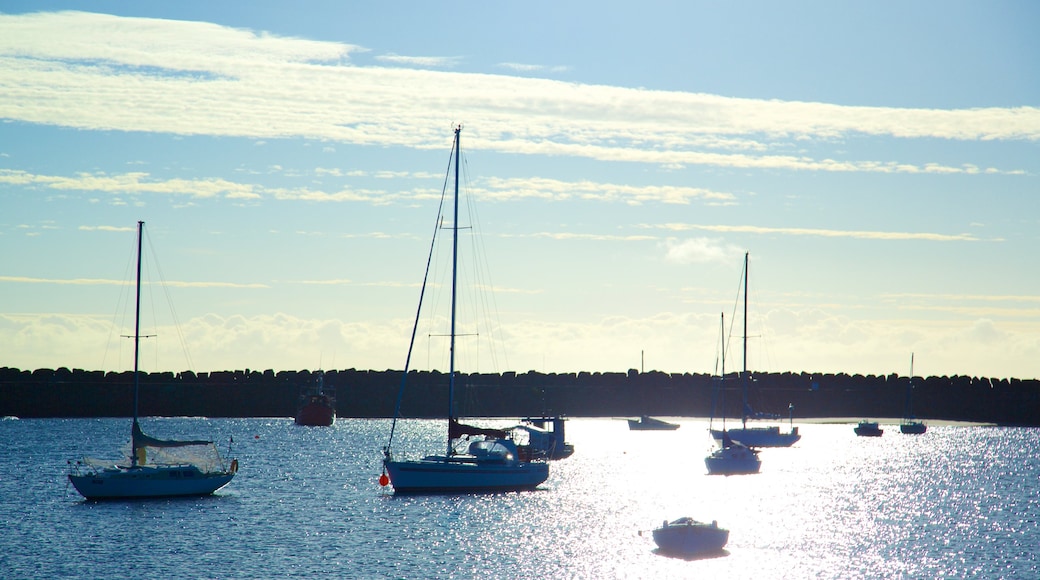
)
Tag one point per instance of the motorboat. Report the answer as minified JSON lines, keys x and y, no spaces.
{"x":317,"y":407}
{"x":868,"y":429}
{"x":646,"y":423}
{"x":689,"y":537}
{"x":546,"y":438}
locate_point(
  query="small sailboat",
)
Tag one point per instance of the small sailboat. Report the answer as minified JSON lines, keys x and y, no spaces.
{"x":156,"y":467}
{"x":689,"y":537}
{"x":476,"y":460}
{"x":868,"y":429}
{"x":732,"y":457}
{"x":910,"y":424}
{"x":317,"y":406}
{"x":770,"y":436}
{"x":646,"y":423}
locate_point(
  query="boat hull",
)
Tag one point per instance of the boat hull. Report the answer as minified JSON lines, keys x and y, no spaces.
{"x":439,"y":476}
{"x":692,"y":539}
{"x":651,"y":424}
{"x":759,"y":436}
{"x":728,"y":462}
{"x":316,"y":415}
{"x":868,"y":430}
{"x":148,"y":482}
{"x":913,"y":428}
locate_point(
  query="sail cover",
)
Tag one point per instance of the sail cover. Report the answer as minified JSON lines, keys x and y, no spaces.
{"x":458,"y":430}
{"x":142,"y":440}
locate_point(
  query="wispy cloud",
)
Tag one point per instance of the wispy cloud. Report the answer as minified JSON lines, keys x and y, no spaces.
{"x":494,"y":189}
{"x":103,"y":72}
{"x":860,"y":234}
{"x":104,"y":282}
{"x":420,"y":61}
{"x":532,"y":68}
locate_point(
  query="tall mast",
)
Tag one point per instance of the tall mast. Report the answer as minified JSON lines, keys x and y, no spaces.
{"x":747,"y":379}
{"x":137,"y":339}
{"x":745,"y":309}
{"x":454,"y":280}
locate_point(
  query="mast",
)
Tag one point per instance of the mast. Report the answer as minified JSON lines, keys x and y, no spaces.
{"x":744,"y":374}
{"x":722,"y":376}
{"x":454,"y":294}
{"x":137,"y":343}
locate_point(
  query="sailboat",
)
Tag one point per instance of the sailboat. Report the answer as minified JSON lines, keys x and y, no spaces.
{"x":755,"y":436}
{"x":732,"y":457}
{"x":157,"y":467}
{"x":910,"y":424}
{"x":476,"y":460}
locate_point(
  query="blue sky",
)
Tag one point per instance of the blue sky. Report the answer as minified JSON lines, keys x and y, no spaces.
{"x":878,"y":161}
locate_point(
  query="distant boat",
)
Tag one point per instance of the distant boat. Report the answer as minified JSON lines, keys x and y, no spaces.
{"x":646,"y":423}
{"x":546,"y":439}
{"x":688,"y":537}
{"x":157,"y":467}
{"x":868,"y":429}
{"x":488,"y":464}
{"x":756,"y":436}
{"x":910,"y":424}
{"x":317,"y":404}
{"x":732,"y":457}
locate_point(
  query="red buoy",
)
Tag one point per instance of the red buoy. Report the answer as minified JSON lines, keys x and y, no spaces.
{"x":384,"y":480}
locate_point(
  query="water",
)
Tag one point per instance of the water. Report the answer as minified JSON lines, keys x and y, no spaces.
{"x":955,"y":502}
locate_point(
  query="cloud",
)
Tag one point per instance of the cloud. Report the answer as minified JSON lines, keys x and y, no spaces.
{"x":494,"y":189}
{"x":103,"y":282}
{"x":102,"y":72}
{"x":701,"y":250}
{"x":421,"y":61}
{"x":858,"y":234}
{"x":532,"y":68}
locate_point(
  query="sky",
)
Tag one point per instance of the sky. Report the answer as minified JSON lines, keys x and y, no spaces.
{"x":877,"y":162}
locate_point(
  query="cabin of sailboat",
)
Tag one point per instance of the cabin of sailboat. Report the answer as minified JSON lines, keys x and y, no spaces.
{"x":476,"y":459}
{"x":155,"y":467}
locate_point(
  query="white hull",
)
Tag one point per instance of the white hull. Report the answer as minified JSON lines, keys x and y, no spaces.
{"x":760,"y":436}
{"x":733,"y":460}
{"x":148,"y":482}
{"x":434,"y":475}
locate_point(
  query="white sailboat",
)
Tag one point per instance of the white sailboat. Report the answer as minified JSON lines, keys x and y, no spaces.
{"x":732,"y":457}
{"x":476,"y":460}
{"x":156,"y":467}
{"x":910,"y":424}
{"x":770,"y":436}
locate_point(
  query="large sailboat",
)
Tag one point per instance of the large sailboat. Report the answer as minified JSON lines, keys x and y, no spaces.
{"x":770,"y":436}
{"x":476,"y":460}
{"x":156,"y":467}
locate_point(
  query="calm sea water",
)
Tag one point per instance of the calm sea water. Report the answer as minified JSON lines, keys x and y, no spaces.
{"x":955,"y":502}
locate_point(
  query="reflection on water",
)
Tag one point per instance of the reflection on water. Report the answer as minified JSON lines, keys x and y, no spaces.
{"x":955,"y":502}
